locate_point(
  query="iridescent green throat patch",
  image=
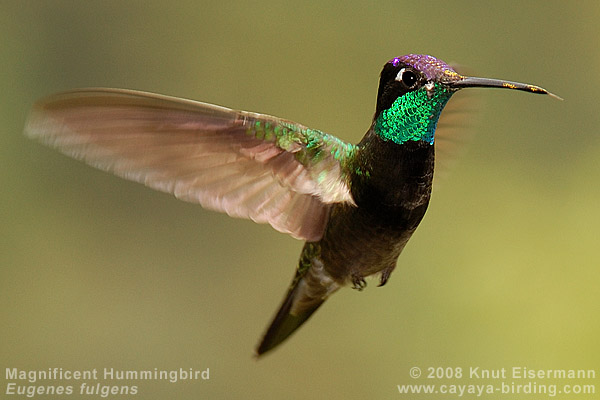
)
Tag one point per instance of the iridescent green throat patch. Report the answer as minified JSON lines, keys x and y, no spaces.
{"x":413,"y":116}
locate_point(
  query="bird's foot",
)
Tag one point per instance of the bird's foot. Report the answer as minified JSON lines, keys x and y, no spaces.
{"x":358,"y":283}
{"x":385,"y":275}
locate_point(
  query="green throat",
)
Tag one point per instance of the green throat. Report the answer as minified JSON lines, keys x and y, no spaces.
{"x":413,"y":116}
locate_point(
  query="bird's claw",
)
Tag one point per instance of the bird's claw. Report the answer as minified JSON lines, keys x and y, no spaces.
{"x":385,"y":275}
{"x":358,"y":283}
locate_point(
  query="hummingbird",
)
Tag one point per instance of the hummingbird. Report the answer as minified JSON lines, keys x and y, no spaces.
{"x":354,"y":205}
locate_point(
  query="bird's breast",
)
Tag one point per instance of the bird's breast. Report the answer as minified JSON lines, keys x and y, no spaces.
{"x":391,"y":200}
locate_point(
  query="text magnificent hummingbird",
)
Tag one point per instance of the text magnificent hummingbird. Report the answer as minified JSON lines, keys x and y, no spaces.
{"x":356,"y":206}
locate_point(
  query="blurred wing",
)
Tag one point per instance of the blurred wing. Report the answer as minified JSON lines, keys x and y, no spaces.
{"x":455,"y":129}
{"x":245,"y":164}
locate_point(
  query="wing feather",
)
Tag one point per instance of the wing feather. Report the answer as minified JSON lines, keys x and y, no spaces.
{"x":245,"y":164}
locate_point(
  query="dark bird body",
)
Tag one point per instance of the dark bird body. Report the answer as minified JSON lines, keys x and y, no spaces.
{"x":362,"y":240}
{"x":356,"y":206}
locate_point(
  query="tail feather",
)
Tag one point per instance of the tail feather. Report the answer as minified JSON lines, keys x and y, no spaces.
{"x":310,"y":288}
{"x":285,"y":323}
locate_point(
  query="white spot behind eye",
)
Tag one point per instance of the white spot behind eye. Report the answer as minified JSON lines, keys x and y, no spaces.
{"x":429,"y":87}
{"x":399,"y":76}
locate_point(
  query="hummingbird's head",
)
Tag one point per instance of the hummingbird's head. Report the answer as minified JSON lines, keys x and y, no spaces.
{"x":410,"y":73}
{"x":413,"y":90}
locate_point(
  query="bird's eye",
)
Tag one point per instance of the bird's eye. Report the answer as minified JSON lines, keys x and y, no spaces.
{"x":408,"y":77}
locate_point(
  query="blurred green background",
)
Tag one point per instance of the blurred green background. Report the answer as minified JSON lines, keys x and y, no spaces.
{"x":100,"y":272}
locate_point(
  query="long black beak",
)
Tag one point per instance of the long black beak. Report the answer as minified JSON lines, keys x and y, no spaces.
{"x":467,"y":82}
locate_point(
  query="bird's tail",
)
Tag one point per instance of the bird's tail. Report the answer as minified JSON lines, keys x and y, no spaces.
{"x":309,"y":289}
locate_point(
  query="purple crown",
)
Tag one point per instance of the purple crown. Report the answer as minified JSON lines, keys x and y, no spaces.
{"x":433,"y":68}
